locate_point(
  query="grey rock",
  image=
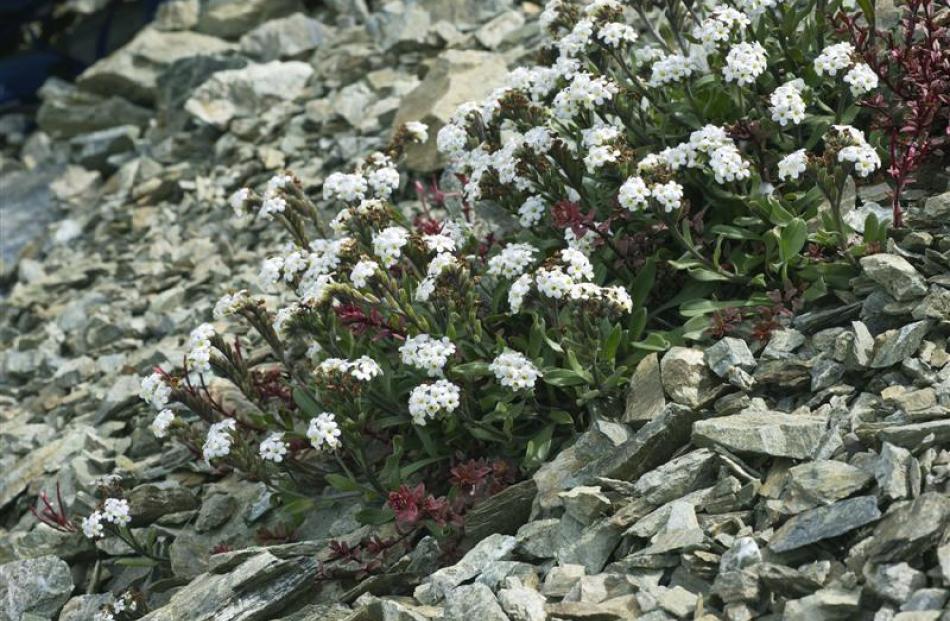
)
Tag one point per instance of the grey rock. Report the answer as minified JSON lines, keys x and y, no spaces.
{"x":133,"y":70}
{"x":937,"y":208}
{"x":943,"y":557}
{"x":502,"y":513}
{"x":678,"y":477}
{"x":826,"y":604}
{"x":825,"y":522}
{"x":743,"y":553}
{"x":736,"y":586}
{"x":821,"y":482}
{"x":896,"y":275}
{"x":539,"y":539}
{"x":593,"y":547}
{"x":473,"y":602}
{"x":561,"y":579}
{"x":246,"y":92}
{"x":585,"y":503}
{"x":645,"y":398}
{"x":149,"y":502}
{"x":38,"y":586}
{"x":65,"y":113}
{"x":493,"y":548}
{"x":764,"y":433}
{"x":825,"y":373}
{"x":782,"y":344}
{"x":92,"y":150}
{"x":288,"y":37}
{"x":926,"y":599}
{"x":912,"y":435}
{"x":455,"y":78}
{"x":84,"y":607}
{"x":894,"y":582}
{"x":522,"y":604}
{"x":894,"y":346}
{"x":686,"y":378}
{"x":910,"y":529}
{"x":677,"y":601}
{"x":861,"y":348}
{"x":728,"y":353}
{"x":232,"y":18}
{"x":177,"y":83}
{"x":493,"y":33}
{"x":178,"y":15}
{"x":935,"y":305}
{"x":894,"y":472}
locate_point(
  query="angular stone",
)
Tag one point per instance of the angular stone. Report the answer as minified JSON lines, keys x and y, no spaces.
{"x":247,"y":92}
{"x":895,"y":346}
{"x":493,"y":32}
{"x":743,"y":553}
{"x":232,"y":18}
{"x":539,"y":539}
{"x":182,"y":77}
{"x":896,"y":275}
{"x":686,"y":378}
{"x":283,"y":38}
{"x":473,"y":601}
{"x":824,"y":604}
{"x":492,"y":548}
{"x":69,"y":112}
{"x":894,"y":472}
{"x":764,"y":433}
{"x":910,"y":529}
{"x":894,"y":582}
{"x":926,"y":599}
{"x":38,"y":586}
{"x":149,"y":502}
{"x":821,"y":482}
{"x":133,"y":70}
{"x":912,"y":435}
{"x":825,"y":523}
{"x":455,"y":78}
{"x":677,"y":601}
{"x":584,"y":503}
{"x":502,"y":513}
{"x":522,"y":604}
{"x":728,"y":353}
{"x":782,"y":344}
{"x":593,"y":547}
{"x":645,"y":398}
{"x":677,"y":477}
{"x":561,"y":579}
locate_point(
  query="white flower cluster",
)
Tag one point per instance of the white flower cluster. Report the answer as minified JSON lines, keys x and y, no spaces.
{"x":418,"y":132}
{"x":155,"y":391}
{"x":324,"y":432}
{"x":553,"y":282}
{"x":427,"y":353}
{"x":718,"y":27}
{"x":114,"y":511}
{"x":787,"y":105}
{"x":834,"y":58}
{"x":349,"y":188}
{"x":531,"y":211}
{"x":426,"y":401}
{"x":512,"y":261}
{"x":671,"y":68}
{"x":863,"y":156}
{"x":388,"y":243}
{"x":615,"y":298}
{"x":513,"y":370}
{"x":861,"y":79}
{"x":517,"y":292}
{"x":363,"y":368}
{"x":744,"y":63}
{"x":578,"y":266}
{"x":199,"y":354}
{"x":439,"y":243}
{"x":238,"y":200}
{"x":615,"y":34}
{"x":230,"y":303}
{"x":362,"y":272}
{"x":273,"y":448}
{"x":634,"y":194}
{"x":219,"y":439}
{"x":669,"y":195}
{"x":584,"y":93}
{"x":792,"y":165}
{"x":161,"y":423}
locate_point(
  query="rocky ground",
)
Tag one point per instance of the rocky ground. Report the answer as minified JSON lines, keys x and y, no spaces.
{"x":807,"y":477}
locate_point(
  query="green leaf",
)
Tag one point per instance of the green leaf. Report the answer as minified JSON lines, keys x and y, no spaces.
{"x":704,"y":275}
{"x":654,"y":341}
{"x":734,"y":232}
{"x":792,"y":239}
{"x":341,"y":483}
{"x":563,"y":377}
{"x":643,"y":283}
{"x":136,"y":561}
{"x":611,"y":343}
{"x":415,"y":466}
{"x":306,"y":403}
{"x":539,"y":446}
{"x":560,"y":417}
{"x":375,"y":517}
{"x":471,"y":369}
{"x":867,"y":7}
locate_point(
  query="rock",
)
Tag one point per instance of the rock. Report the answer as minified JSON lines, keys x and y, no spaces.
{"x":92,"y":150}
{"x":473,"y":602}
{"x":677,"y":601}
{"x":38,"y":586}
{"x":912,"y":435}
{"x":584,"y":503}
{"x":177,"y":15}
{"x":926,"y":599}
{"x":895,"y":582}
{"x":896,"y":275}
{"x":821,"y":483}
{"x":539,"y":539}
{"x":743,"y":553}
{"x":943,"y":557}
{"x":894,"y":346}
{"x":895,"y":472}
{"x":678,"y":477}
{"x":937,"y":208}
{"x":910,"y":529}
{"x":456,"y":77}
{"x":401,"y":28}
{"x":84,"y":607}
{"x":823,"y":604}
{"x":728,"y":353}
{"x":686,"y":378}
{"x":492,"y":548}
{"x":68,"y":112}
{"x":561,"y":579}
{"x":860,"y":350}
{"x":935,"y":306}
{"x":764,"y":433}
{"x":493,"y":33}
{"x":133,"y":70}
{"x":231,"y":18}
{"x":593,"y":547}
{"x":522,"y":604}
{"x":255,"y":589}
{"x":782,"y":344}
{"x":177,"y":83}
{"x":645,"y":398}
{"x":736,"y":586}
{"x":502,"y":513}
{"x":825,"y":523}
{"x":149,"y":502}
{"x":288,"y":37}
{"x":31,"y":466}
{"x":246,"y":92}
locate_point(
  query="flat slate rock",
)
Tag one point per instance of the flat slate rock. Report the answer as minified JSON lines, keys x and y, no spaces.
{"x":763,"y":433}
{"x":825,"y":523}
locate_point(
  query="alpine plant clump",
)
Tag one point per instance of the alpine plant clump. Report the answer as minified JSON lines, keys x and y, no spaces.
{"x":651,"y":180}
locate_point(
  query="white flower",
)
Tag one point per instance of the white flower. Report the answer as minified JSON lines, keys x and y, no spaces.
{"x":282,"y":316}
{"x":787,"y":105}
{"x":619,"y":298}
{"x":364,"y":369}
{"x":670,"y":68}
{"x":439,"y":243}
{"x":717,"y":28}
{"x":324,"y":431}
{"x":834,"y":58}
{"x":519,"y":288}
{"x":294,"y":263}
{"x":344,"y":187}
{"x":92,"y":525}
{"x":531,"y":211}
{"x":755,"y":8}
{"x":513,"y":370}
{"x":229,"y":303}
{"x":238,"y":200}
{"x":116,"y":511}
{"x":575,"y":42}
{"x":278,"y":182}
{"x":553,"y":283}
{"x":219,"y":439}
{"x":340,"y":221}
{"x":425,"y":289}
{"x":615,"y":33}
{"x":584,"y":93}
{"x":272,"y":205}
{"x":440,"y":263}
{"x":597,"y":6}
{"x":426,"y":353}
{"x":539,"y":139}
{"x":199,"y":357}
{"x":162,"y":422}
{"x":451,"y":139}
{"x":388,"y":243}
{"x":744,"y":63}
{"x":269,"y":275}
{"x":428,"y":400}
{"x":597,"y":157}
{"x":512,"y":261}
{"x":862,"y":79}
{"x":669,"y":195}
{"x":633,"y":194}
{"x":864,"y":158}
{"x":273,"y":448}
{"x":792,"y":165}
{"x":362,"y":272}
{"x":155,"y":391}
{"x":383,"y":181}
{"x":728,"y":165}
{"x":578,"y":265}
{"x":418,"y":132}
